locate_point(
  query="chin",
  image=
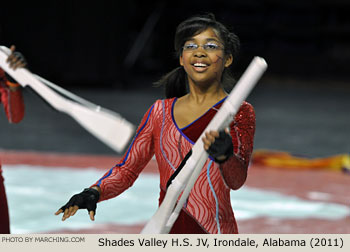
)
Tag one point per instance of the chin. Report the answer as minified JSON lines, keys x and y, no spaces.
{"x":204,"y":81}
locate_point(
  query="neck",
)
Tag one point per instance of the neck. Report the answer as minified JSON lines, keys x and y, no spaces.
{"x":202,"y":93}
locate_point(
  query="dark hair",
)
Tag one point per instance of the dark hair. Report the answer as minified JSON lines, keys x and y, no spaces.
{"x":175,"y":82}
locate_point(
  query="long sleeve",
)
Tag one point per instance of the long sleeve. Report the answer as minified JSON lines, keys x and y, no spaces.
{"x":139,"y":153}
{"x":12,"y":100}
{"x":242,"y":130}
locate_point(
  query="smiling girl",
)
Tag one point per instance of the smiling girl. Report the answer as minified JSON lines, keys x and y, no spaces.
{"x":194,"y":93}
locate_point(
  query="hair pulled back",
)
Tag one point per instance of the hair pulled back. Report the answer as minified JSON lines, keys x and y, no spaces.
{"x":175,"y":81}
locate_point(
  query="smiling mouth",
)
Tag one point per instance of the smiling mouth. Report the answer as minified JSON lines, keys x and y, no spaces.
{"x":200,"y":65}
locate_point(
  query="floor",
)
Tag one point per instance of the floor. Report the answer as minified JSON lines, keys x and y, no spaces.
{"x":271,"y":201}
{"x":303,"y":117}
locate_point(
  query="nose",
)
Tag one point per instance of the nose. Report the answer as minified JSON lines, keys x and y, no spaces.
{"x":199,"y":52}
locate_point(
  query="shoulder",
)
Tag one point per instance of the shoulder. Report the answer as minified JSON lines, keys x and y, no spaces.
{"x":160,"y":106}
{"x":246,"y":107}
{"x":245,"y":113}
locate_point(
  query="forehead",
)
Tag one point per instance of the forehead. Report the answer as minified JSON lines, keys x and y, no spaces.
{"x":206,"y":35}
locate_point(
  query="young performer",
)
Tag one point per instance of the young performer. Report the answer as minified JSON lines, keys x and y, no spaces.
{"x":194,"y":91}
{"x":11,"y":98}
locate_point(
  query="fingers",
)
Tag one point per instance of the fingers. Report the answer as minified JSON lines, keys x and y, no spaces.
{"x":59,"y":211}
{"x":92,"y":215}
{"x":87,"y":199}
{"x":15,"y":59}
{"x":75,"y":209}
{"x":11,"y":56}
{"x":18,"y":64}
{"x":13,"y":48}
{"x":68,"y":212}
{"x":209,"y":138}
{"x":91,"y":207}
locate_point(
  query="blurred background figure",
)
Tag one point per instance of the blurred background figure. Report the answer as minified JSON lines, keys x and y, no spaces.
{"x":12,"y":100}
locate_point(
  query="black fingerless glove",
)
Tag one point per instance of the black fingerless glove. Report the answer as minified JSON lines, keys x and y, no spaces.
{"x":221,"y":147}
{"x":87,"y":199}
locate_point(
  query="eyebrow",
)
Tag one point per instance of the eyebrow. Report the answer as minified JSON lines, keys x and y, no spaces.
{"x":207,"y":40}
{"x":212,"y":39}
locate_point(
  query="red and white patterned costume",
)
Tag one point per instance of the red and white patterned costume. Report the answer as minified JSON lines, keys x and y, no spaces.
{"x":208,"y":208}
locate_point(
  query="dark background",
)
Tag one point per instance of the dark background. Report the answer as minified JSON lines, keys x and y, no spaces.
{"x":85,"y":43}
{"x":110,"y":52}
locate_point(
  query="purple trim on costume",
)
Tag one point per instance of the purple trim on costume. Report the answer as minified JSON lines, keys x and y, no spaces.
{"x":180,"y":130}
{"x":177,"y":127}
{"x":215,"y":197}
{"x":127,"y":154}
{"x":203,"y":113}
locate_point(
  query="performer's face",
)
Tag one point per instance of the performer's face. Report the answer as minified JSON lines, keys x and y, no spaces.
{"x":203,"y":58}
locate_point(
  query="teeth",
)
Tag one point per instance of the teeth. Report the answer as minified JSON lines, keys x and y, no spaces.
{"x":200,"y":65}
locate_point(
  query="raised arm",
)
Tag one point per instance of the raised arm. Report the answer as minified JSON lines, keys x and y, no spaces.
{"x":232,"y":148}
{"x":242,"y":130}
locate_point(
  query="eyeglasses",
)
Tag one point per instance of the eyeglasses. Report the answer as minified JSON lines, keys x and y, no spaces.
{"x":208,"y":47}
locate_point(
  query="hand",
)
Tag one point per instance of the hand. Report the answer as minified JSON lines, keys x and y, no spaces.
{"x":87,"y":199}
{"x":218,"y":145}
{"x":16,"y":59}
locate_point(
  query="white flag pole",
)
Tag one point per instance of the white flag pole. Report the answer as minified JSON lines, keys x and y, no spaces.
{"x":106,"y":125}
{"x":167,"y":213}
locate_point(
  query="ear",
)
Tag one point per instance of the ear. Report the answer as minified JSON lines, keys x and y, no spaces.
{"x":181,"y":60}
{"x":229,"y":60}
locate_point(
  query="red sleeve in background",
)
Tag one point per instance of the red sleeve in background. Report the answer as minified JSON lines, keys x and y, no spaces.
{"x":12,"y":100}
